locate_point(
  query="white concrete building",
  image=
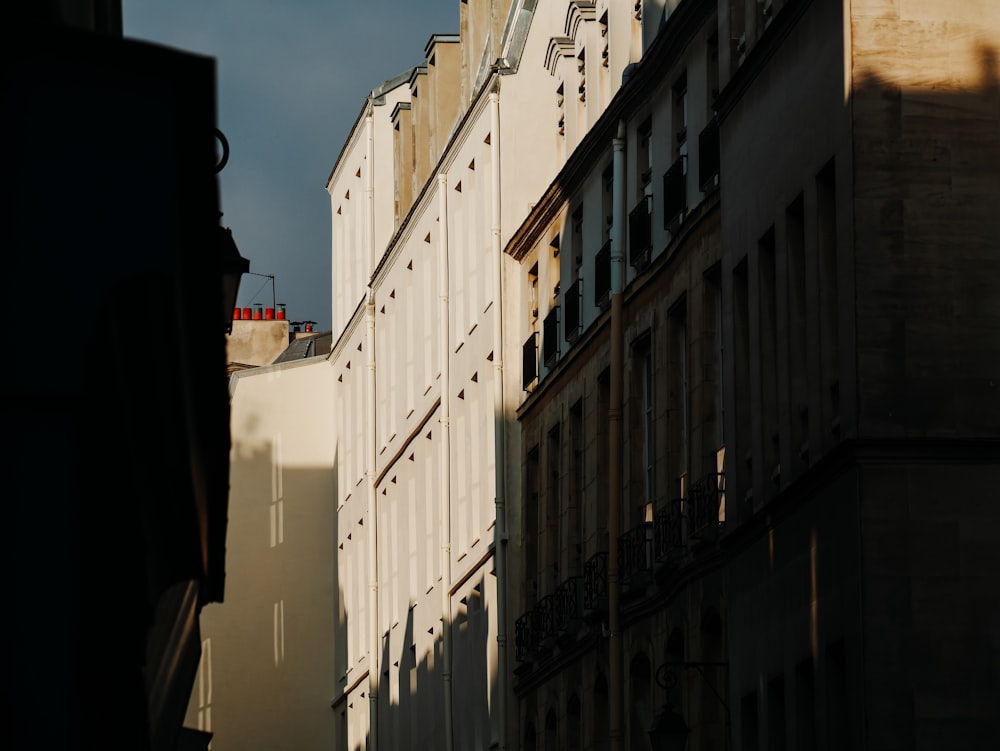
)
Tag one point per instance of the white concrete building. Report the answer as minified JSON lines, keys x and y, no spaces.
{"x":443,"y":165}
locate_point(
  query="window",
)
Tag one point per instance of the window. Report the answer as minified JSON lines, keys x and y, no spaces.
{"x":602,"y":274}
{"x":797,"y":332}
{"x":826,"y":231}
{"x":768,"y":323}
{"x":529,"y":360}
{"x":553,"y":503}
{"x":678,"y":416}
{"x":641,"y":414}
{"x":680,"y":114}
{"x":640,"y":233}
{"x":644,"y":156}
{"x":550,"y":337}
{"x":577,"y":478}
{"x":572,"y":305}
{"x":607,"y":200}
{"x":743,"y":460}
{"x":708,"y":157}
{"x":531,"y":479}
{"x":674,"y":194}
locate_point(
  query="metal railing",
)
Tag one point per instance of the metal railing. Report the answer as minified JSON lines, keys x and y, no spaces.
{"x":567,"y":605}
{"x":554,"y":615}
{"x":635,"y":552}
{"x":595,"y":582}
{"x":668,"y":531}
{"x":703,"y":504}
{"x":524,"y":637}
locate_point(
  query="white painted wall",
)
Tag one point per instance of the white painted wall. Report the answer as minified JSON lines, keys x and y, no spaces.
{"x":267,"y":673}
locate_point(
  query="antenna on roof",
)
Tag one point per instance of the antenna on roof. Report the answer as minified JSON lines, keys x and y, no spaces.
{"x":274,"y":298}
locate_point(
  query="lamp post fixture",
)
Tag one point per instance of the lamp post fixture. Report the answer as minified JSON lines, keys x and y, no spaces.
{"x":668,"y":732}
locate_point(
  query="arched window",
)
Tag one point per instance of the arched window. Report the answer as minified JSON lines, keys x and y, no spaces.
{"x":530,"y":742}
{"x":551,"y":730}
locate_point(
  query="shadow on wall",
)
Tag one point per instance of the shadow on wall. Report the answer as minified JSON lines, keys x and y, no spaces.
{"x":927,"y":232}
{"x":411,"y":696}
{"x":268,"y":674}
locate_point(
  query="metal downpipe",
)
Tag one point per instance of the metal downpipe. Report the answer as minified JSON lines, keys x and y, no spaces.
{"x":374,"y":646}
{"x":615,"y":655}
{"x":445,"y":356}
{"x":499,"y":420}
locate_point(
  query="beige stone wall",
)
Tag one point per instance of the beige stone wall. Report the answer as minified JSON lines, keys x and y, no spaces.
{"x":926,"y":107}
{"x":267,"y":672}
{"x":256,"y":342}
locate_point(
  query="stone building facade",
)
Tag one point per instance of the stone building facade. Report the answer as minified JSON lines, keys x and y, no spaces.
{"x":752,"y":484}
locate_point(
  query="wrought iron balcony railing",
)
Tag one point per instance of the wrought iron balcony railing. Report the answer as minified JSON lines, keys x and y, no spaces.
{"x":595,"y":582}
{"x":567,"y":605}
{"x":524,"y":637}
{"x":635,"y":552}
{"x":668,"y":534}
{"x":703,"y":504}
{"x":542,"y":622}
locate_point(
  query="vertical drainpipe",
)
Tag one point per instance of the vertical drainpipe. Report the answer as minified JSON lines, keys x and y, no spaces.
{"x":374,"y":638}
{"x":615,"y":671}
{"x":499,"y":419}
{"x":444,"y":353}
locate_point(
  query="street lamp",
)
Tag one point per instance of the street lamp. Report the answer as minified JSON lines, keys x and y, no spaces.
{"x":234,"y":266}
{"x":668,"y":732}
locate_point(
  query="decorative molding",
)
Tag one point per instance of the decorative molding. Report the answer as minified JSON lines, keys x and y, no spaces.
{"x":559,"y":47}
{"x":578,"y":12}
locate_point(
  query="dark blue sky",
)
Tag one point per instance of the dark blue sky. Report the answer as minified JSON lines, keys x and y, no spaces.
{"x":292,"y":78}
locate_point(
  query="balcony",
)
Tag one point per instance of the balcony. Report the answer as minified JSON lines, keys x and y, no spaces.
{"x":572,"y":307}
{"x":529,"y":361}
{"x":635,"y":556}
{"x":555,"y":617}
{"x":567,"y":607}
{"x":640,"y":233}
{"x":674,"y":193}
{"x":704,"y":502}
{"x":542,"y":621}
{"x":708,"y":157}
{"x":668,"y":533}
{"x":602,"y":275}
{"x":595,"y":583}
{"x":524,"y":638}
{"x":550,"y":337}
